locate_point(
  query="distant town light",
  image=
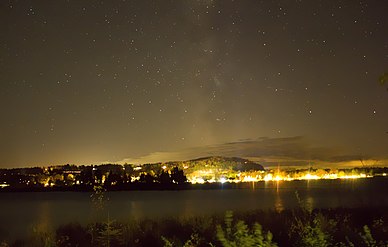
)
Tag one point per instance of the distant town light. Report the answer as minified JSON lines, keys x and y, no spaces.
{"x":308,"y":176}
{"x":268,"y":177}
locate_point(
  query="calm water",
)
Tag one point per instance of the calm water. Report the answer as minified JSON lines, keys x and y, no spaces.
{"x":20,"y":212}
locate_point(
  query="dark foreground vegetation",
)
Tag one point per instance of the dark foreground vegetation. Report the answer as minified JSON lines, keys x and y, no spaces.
{"x":302,"y":227}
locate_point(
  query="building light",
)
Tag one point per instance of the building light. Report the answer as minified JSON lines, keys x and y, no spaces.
{"x":268,"y":177}
{"x":309,"y":176}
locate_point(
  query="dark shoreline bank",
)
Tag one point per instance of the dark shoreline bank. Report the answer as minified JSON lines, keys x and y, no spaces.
{"x":168,"y":187}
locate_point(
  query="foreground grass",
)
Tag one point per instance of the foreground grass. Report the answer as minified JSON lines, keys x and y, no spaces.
{"x":301,"y":227}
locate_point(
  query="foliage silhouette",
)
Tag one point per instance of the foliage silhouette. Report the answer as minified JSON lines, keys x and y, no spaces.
{"x":240,"y":234}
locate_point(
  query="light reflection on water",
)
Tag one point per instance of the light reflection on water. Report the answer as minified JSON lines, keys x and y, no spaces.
{"x":43,"y":223}
{"x":136,"y":209}
{"x":20,"y":211}
{"x":279,"y":207}
{"x":309,"y":203}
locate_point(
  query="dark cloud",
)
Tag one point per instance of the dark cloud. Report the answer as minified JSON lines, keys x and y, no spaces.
{"x":288,"y":151}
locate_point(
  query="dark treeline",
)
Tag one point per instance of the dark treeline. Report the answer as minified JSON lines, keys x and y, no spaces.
{"x":113,"y":177}
{"x":84,"y":178}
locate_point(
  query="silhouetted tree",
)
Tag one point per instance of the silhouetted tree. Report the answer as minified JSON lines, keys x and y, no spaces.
{"x":164,"y":178}
{"x":146,"y":178}
{"x":98,"y":175}
{"x":178,"y":176}
{"x":113,"y":179}
{"x":86,"y":175}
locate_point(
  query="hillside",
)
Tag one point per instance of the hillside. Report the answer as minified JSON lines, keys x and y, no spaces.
{"x":231,"y":163}
{"x":216,"y":168}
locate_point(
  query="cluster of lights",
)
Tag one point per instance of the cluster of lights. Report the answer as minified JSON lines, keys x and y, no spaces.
{"x":272,"y":177}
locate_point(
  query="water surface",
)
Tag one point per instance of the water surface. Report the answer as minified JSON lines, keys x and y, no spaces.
{"x":23,"y":211}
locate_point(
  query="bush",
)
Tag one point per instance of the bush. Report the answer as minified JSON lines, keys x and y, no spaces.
{"x":240,"y":234}
{"x":363,"y":227}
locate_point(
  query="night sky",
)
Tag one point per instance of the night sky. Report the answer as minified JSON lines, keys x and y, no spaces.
{"x":138,"y":81}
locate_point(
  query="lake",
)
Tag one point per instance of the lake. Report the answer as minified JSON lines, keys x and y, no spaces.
{"x":21,"y":212}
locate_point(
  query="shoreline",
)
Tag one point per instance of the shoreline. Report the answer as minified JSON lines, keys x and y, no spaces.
{"x":176,"y":187}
